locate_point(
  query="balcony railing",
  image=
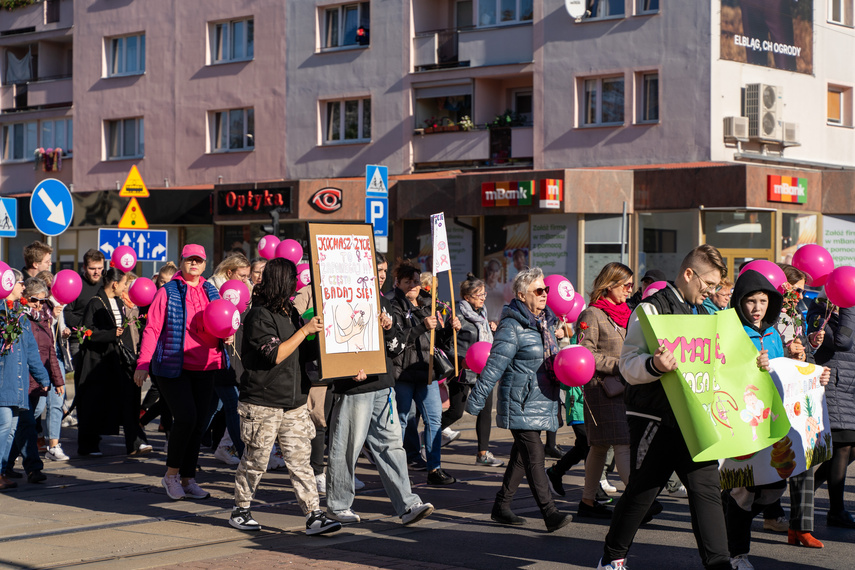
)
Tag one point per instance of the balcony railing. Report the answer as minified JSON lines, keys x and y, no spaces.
{"x":477,"y":146}
{"x":473,"y":47}
{"x":45,"y":92}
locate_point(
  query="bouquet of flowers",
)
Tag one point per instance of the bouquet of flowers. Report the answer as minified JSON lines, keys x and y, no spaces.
{"x":792,"y":316}
{"x":82,"y":334}
{"x":11,"y":324}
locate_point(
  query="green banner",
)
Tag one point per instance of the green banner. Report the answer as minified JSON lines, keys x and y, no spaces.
{"x":725,"y":406}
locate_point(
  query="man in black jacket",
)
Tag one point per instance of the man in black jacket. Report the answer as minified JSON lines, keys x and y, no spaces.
{"x":365,"y":413}
{"x":93,"y":267}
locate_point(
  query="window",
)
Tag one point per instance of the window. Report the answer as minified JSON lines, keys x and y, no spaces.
{"x":524,"y":106}
{"x":232,"y":41}
{"x":232,"y":130}
{"x":348,"y":120}
{"x":20,"y":141}
{"x":125,"y":138}
{"x":840,"y":12}
{"x":647,"y":6}
{"x":126,"y":55}
{"x":342,"y":22}
{"x":609,"y":8}
{"x":839,"y":105}
{"x":443,"y":105}
{"x":57,"y":134}
{"x":648,"y":99}
{"x":496,"y":12}
{"x":603,"y":102}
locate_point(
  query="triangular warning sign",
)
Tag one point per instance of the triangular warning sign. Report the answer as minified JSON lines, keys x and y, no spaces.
{"x":134,"y":186}
{"x":133,"y":218}
{"x":377,"y":183}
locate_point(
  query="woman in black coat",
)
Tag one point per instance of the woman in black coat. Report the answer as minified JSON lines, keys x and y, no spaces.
{"x":106,"y":395}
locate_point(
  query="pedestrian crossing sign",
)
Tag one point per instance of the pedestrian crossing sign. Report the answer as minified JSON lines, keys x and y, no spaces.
{"x":8,"y":217}
{"x":133,"y":218}
{"x":376,"y":180}
{"x":134,"y":186}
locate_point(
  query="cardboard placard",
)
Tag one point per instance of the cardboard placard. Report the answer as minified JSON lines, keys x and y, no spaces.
{"x":344,"y":287}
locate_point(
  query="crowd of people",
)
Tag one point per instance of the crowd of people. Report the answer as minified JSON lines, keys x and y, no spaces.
{"x":257,"y":396}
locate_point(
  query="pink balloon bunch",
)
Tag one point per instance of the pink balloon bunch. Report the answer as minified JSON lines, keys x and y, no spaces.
{"x":653,"y":288}
{"x":66,"y":286}
{"x":769,"y":270}
{"x":7,"y":280}
{"x":816,"y":262}
{"x":561,"y":293}
{"x":236,"y":291}
{"x":576,"y":310}
{"x":267,"y":246}
{"x":304,"y":275}
{"x":574,"y":365}
{"x":477,"y":355}
{"x":142,"y":291}
{"x":124,"y":258}
{"x":290,"y":249}
{"x":221,"y":318}
{"x":840,"y":287}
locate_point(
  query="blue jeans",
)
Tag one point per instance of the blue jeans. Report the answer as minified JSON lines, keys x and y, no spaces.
{"x":25,"y":442}
{"x":368,"y":419}
{"x":53,"y":413}
{"x":429,"y":404}
{"x":8,"y":425}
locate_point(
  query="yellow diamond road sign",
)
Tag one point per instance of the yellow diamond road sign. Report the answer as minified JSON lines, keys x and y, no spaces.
{"x":134,"y":186}
{"x":133,"y":218}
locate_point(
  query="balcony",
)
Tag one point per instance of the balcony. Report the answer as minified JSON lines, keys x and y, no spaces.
{"x":473,"y":146}
{"x":473,"y":47}
{"x":40,"y":94}
{"x":40,"y":16}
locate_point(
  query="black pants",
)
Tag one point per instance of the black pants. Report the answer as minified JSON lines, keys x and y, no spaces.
{"x":457,"y":395}
{"x":319,"y":441}
{"x":188,"y":397}
{"x":739,"y":519}
{"x":575,"y":455}
{"x":158,"y":408}
{"x":834,"y":471}
{"x":656,"y":452}
{"x":526,"y":459}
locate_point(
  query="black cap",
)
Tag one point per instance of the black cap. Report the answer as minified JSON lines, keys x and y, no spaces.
{"x":654,"y":275}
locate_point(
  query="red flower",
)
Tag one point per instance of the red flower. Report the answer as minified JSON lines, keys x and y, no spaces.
{"x":88,"y":333}
{"x":10,"y":304}
{"x":583,"y":325}
{"x":112,"y":264}
{"x":23,"y":300}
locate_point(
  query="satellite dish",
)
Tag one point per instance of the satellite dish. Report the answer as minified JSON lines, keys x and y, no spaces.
{"x":576,"y":8}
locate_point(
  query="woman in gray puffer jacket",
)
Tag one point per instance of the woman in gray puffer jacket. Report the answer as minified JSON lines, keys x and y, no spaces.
{"x":523,"y":350}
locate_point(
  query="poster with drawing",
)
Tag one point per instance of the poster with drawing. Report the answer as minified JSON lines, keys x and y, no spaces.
{"x":346,"y":295}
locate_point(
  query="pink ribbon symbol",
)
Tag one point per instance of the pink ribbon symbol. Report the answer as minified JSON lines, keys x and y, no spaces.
{"x":443,"y":260}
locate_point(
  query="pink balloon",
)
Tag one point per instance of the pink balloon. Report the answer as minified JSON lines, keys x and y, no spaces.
{"x":236,"y":291}
{"x":576,"y":309}
{"x":221,"y":318}
{"x":142,"y":291}
{"x":769,"y":270}
{"x":7,"y":280}
{"x":840,"y":287}
{"x":304,"y":275}
{"x":561,"y":293}
{"x":267,"y":246}
{"x":66,"y":286}
{"x":477,"y":355}
{"x":653,"y":288}
{"x":124,"y":257}
{"x":574,"y":365}
{"x":816,"y":262}
{"x":290,"y":249}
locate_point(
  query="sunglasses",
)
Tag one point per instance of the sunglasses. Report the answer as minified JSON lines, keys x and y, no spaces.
{"x":37,"y":300}
{"x":541,"y":291}
{"x":628,"y":286}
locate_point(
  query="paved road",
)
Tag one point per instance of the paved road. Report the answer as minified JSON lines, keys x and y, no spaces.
{"x":111,"y":512}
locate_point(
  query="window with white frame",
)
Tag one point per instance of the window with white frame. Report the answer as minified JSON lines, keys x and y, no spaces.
{"x":497,"y":12}
{"x":647,"y":6}
{"x":647,"y":84}
{"x":232,"y":130}
{"x":342,"y":25}
{"x":347,"y":120}
{"x":232,"y":41}
{"x":57,"y":134}
{"x":20,"y":141}
{"x":607,"y":8}
{"x":125,"y":138}
{"x":603,"y":101}
{"x":840,"y":12}
{"x":126,"y":55}
{"x":839,"y":112}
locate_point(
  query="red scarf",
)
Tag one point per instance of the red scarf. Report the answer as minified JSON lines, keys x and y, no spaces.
{"x":618,"y":313}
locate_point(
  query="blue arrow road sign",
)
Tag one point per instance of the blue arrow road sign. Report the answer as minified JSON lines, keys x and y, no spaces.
{"x":377,"y":214}
{"x":8,"y":217}
{"x":51,"y":207}
{"x":150,"y":245}
{"x":377,"y":180}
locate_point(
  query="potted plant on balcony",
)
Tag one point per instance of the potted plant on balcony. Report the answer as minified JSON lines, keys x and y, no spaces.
{"x":465,"y":123}
{"x":507,"y":119}
{"x":431,"y":125}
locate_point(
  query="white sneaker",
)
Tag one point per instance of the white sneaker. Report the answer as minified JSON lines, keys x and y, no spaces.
{"x":318,"y":523}
{"x":449,"y":435}
{"x":69,"y":421}
{"x":741,"y":563}
{"x":227,"y":455}
{"x":242,"y":519}
{"x":416,"y":512}
{"x":321,"y":481}
{"x":56,"y":453}
{"x":345,"y":516}
{"x":192,"y":490}
{"x":142,"y":449}
{"x":681,"y":493}
{"x":276,"y":460}
{"x":172,"y":484}
{"x":606,"y":486}
{"x":357,"y":484}
{"x":613,"y":565}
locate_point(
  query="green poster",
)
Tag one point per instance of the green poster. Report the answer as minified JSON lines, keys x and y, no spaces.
{"x":725,"y":406}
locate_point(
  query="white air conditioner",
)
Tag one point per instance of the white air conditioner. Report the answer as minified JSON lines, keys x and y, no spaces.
{"x":791,"y":134}
{"x":735,"y":129}
{"x":762,"y":109}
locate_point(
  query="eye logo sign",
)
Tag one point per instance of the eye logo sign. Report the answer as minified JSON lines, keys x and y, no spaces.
{"x":326,"y":200}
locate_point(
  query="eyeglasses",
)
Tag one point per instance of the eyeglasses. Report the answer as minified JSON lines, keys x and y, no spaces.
{"x":707,"y":288}
{"x":194,"y":261}
{"x":727,"y":293}
{"x":800,"y":291}
{"x":540,"y":291}
{"x":37,"y":300}
{"x":481,"y":295}
{"x":627,"y":286}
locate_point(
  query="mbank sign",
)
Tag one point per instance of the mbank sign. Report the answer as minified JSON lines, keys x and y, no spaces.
{"x":786,"y":189}
{"x":507,"y":193}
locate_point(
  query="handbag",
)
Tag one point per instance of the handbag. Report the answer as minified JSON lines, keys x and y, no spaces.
{"x":128,"y":359}
{"x":612,"y":385}
{"x":442,"y":365}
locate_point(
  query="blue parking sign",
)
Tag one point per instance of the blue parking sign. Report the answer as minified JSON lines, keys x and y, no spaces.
{"x":51,"y":207}
{"x":377,"y":214}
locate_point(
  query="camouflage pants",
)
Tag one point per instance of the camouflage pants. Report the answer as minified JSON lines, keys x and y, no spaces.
{"x":260,"y":426}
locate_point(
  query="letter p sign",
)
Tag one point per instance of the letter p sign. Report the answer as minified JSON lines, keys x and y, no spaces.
{"x":377,"y":214}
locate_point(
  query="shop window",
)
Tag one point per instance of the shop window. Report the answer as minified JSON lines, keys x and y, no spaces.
{"x":126,"y":55}
{"x":58,"y":133}
{"x":603,"y":101}
{"x":347,"y":121}
{"x":840,"y":12}
{"x":19,"y":141}
{"x":738,"y":229}
{"x":607,"y":8}
{"x":647,"y":6}
{"x":497,"y":12}
{"x":347,"y":25}
{"x":603,"y":244}
{"x":796,"y":230}
{"x":648,"y":97}
{"x":125,"y":138}
{"x":664,"y":239}
{"x":232,"y":130}
{"x":232,"y":41}
{"x":839,"y":106}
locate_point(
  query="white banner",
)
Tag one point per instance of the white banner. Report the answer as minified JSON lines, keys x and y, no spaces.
{"x":441,"y":253}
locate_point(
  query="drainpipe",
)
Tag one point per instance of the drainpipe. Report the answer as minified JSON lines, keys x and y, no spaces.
{"x":623,"y":227}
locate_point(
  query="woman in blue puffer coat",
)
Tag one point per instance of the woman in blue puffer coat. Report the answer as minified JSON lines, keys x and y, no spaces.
{"x":524,"y":346}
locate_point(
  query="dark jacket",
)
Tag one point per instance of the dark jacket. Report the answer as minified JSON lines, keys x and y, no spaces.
{"x":374,"y":382}
{"x":528,"y":398}
{"x":73,"y":311}
{"x":264,"y":382}
{"x":43,"y":333}
{"x":412,"y":364}
{"x":837,"y":351}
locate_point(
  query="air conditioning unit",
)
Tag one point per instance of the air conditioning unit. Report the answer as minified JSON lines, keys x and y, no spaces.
{"x":736,"y":129}
{"x":762,"y":109}
{"x":791,"y":134}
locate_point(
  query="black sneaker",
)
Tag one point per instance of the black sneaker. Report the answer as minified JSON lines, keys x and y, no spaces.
{"x":418,"y":464}
{"x":597,"y":511}
{"x":12,"y":474}
{"x":557,"y":520}
{"x":842,"y":519}
{"x":318,"y":523}
{"x":654,"y":510}
{"x":505,"y":516}
{"x":36,"y":476}
{"x":602,"y":497}
{"x":242,"y":519}
{"x":555,"y":452}
{"x":440,"y":477}
{"x":556,"y":485}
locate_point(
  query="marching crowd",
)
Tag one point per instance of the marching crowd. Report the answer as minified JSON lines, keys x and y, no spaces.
{"x":261,"y":385}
